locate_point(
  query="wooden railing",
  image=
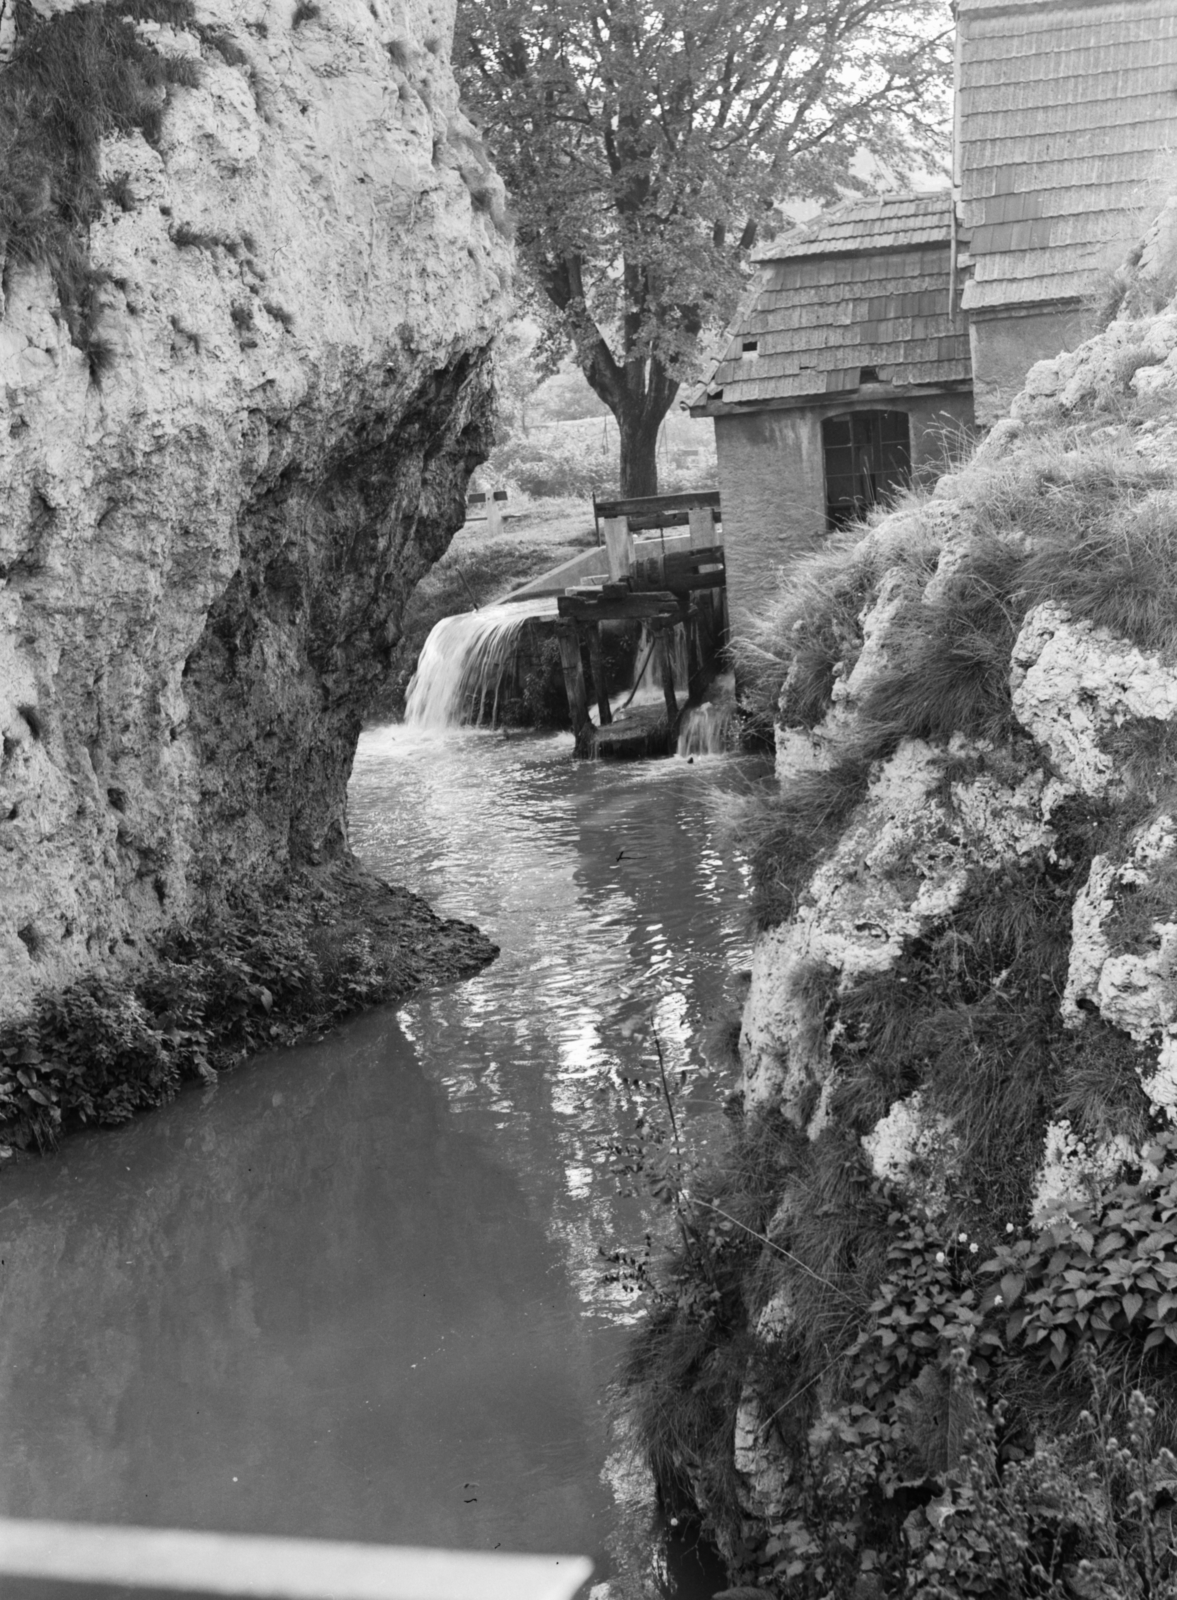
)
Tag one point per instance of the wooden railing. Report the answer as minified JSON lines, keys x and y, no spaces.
{"x":69,"y":1559}
{"x":657,"y":510}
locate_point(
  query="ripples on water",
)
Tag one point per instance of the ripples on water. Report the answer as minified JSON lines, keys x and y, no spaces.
{"x":355,"y":1289}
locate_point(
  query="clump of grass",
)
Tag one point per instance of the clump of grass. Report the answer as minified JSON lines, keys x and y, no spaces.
{"x":803,"y":634}
{"x":185,"y":237}
{"x":74,"y":79}
{"x":304,"y":11}
{"x":227,"y":48}
{"x":120,"y":193}
{"x":1119,"y":571}
{"x":951,"y":673}
{"x":280,"y":314}
{"x":1101,"y":1093}
{"x":971,"y":1017}
{"x":241,"y":316}
{"x":786,"y":833}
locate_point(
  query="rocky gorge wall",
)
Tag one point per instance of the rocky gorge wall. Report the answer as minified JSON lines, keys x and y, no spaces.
{"x":225,"y":466}
{"x":916,"y":1300}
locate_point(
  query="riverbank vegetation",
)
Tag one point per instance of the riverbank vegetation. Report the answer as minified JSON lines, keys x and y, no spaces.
{"x":261,"y":971}
{"x":918,"y":1377}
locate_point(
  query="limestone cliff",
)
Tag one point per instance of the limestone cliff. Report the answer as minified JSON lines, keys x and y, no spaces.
{"x":959,"y":1048}
{"x":216,"y":499}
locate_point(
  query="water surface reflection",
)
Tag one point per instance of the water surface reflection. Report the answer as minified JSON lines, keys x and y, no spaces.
{"x":355,"y":1289}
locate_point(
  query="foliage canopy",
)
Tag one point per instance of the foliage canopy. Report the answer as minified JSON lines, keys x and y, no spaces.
{"x":646,"y":144}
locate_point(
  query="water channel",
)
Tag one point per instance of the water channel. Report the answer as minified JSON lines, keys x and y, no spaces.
{"x":355,"y":1289}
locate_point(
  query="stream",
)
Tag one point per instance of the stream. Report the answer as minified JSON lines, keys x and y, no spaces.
{"x":355,"y":1289}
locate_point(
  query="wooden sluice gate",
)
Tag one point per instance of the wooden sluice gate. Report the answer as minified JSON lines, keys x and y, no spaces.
{"x":666,"y":570}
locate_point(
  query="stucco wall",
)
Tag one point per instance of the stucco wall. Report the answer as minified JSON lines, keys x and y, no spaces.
{"x":772,"y":480}
{"x":1005,"y":348}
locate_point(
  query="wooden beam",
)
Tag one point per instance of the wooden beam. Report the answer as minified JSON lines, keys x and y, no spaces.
{"x":568,"y":638}
{"x":597,"y":658}
{"x":652,"y":504}
{"x":645,"y":603}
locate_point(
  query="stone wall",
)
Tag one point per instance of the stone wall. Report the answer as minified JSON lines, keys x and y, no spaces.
{"x":772,"y":479}
{"x":1005,"y":348}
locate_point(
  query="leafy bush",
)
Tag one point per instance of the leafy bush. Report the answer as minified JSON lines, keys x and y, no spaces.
{"x":257,"y":975}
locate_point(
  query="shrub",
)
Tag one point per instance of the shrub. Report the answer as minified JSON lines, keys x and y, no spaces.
{"x":75,"y":78}
{"x":255,"y":975}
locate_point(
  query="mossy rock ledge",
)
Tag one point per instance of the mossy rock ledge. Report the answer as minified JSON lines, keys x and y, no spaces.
{"x":920,"y":1336}
{"x":253,"y":264}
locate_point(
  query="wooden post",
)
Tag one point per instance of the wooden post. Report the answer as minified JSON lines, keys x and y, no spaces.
{"x":597,"y":658}
{"x":665,"y":665}
{"x":618,"y":545}
{"x":568,"y":639}
{"x":494,"y":512}
{"x":702,"y":527}
{"x":697,"y":682}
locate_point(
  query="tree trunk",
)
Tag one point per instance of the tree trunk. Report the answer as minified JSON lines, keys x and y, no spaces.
{"x":639,"y":454}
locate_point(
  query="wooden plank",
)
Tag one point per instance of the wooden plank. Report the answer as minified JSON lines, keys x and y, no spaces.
{"x":652,"y":504}
{"x":241,"y":1565}
{"x":618,"y":547}
{"x":697,"y":681}
{"x":643,"y":603}
{"x":702,"y":524}
{"x":568,"y":638}
{"x":597,"y":660}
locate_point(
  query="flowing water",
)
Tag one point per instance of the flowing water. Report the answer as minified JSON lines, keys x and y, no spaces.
{"x":464,"y":661}
{"x":355,"y":1289}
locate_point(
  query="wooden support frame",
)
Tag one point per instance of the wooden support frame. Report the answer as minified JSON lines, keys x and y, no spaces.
{"x":597,"y":661}
{"x":663,"y":633}
{"x":568,"y":639}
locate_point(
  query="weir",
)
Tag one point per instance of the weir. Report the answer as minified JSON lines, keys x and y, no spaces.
{"x":661,"y":564}
{"x":464,"y":662}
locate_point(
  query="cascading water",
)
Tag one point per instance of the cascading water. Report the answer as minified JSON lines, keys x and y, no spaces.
{"x":649,"y":685}
{"x":464,"y":661}
{"x":709,"y":729}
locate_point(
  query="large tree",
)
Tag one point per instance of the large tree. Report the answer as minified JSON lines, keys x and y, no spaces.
{"x":646,"y":142}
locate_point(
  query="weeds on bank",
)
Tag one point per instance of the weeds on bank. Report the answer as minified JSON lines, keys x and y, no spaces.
{"x":257,"y":976}
{"x":951,"y":1404}
{"x":74,"y":79}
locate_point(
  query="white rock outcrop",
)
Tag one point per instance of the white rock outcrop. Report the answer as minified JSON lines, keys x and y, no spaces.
{"x":205,"y":550}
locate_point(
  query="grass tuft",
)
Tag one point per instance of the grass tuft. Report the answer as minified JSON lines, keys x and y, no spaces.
{"x":304,"y":11}
{"x":74,"y":79}
{"x":785,"y":833}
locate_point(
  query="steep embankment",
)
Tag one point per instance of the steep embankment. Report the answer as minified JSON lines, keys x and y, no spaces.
{"x":913,"y":1305}
{"x":253,"y":258}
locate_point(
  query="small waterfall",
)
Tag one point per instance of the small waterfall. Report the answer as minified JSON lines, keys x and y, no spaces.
{"x":649,"y":685}
{"x":709,"y":729}
{"x":465,"y":659}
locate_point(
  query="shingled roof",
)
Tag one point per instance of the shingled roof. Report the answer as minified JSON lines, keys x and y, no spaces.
{"x":1064,"y":110}
{"x":865,"y":285}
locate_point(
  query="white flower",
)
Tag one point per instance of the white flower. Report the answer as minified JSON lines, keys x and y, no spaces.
{"x":939,"y":1258}
{"x":997,"y":1300}
{"x":973,"y":1249}
{"x":962,"y":1238}
{"x":1009,"y":1227}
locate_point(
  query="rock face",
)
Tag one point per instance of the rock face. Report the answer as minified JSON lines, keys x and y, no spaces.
{"x":208,"y":533}
{"x":959,"y":1047}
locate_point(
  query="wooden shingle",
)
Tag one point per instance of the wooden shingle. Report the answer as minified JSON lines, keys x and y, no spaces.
{"x":865,"y":285}
{"x":1066,"y":110}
